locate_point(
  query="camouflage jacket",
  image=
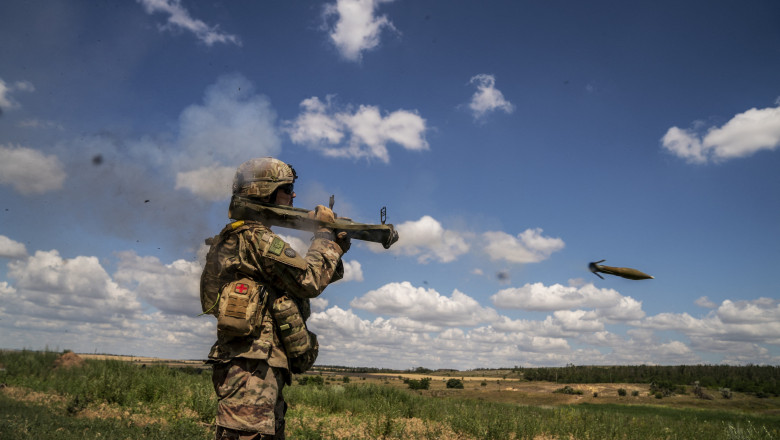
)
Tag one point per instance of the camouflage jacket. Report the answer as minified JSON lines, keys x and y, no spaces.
{"x":251,"y":249}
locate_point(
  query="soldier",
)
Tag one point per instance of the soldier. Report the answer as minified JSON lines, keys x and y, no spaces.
{"x":249,"y":372}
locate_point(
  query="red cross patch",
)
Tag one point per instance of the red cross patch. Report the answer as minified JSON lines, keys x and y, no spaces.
{"x":241,"y":288}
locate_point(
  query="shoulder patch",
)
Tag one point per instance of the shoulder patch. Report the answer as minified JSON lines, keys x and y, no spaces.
{"x":281,"y":252}
{"x":277,"y":246}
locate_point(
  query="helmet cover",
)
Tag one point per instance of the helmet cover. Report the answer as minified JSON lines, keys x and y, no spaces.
{"x":262,"y":176}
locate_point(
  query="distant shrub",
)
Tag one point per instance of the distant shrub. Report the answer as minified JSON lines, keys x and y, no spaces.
{"x":659,"y":395}
{"x":699,"y":392}
{"x":455,"y":383}
{"x":422,"y":384}
{"x":483,"y":384}
{"x":595,"y":394}
{"x":664,"y":387}
{"x":345,"y":379}
{"x":635,"y":393}
{"x":621,"y":392}
{"x":726,"y":393}
{"x":310,"y":380}
{"x":567,"y":390}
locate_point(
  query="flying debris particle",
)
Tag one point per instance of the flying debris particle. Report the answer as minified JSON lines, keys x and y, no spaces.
{"x":502,"y":276}
{"x":97,"y":159}
{"x":146,"y":201}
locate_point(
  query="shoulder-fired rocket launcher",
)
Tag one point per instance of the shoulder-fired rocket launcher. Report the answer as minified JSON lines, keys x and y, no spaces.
{"x":623,"y":272}
{"x":244,"y":208}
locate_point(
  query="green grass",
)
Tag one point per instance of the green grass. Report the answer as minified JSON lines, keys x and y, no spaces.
{"x":180,"y":403}
{"x":490,"y":420}
{"x":166,"y":392}
{"x":21,"y":421}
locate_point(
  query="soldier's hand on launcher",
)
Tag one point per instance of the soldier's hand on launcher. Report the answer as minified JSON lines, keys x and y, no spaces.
{"x":344,"y":241}
{"x":323,"y":214}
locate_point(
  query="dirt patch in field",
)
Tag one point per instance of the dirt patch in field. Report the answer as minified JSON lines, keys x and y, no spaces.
{"x":22,"y":394}
{"x":107,"y":411}
{"x":102,"y":410}
{"x":345,"y":427}
{"x":68,"y":360}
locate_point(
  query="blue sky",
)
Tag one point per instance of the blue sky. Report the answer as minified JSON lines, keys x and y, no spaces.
{"x":512,"y":142}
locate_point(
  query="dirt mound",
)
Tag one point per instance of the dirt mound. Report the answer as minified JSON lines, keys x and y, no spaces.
{"x":68,"y":360}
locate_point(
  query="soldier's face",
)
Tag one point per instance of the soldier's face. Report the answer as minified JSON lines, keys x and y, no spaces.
{"x":282,"y":198}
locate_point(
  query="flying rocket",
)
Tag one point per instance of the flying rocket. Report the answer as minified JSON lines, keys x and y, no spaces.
{"x":623,"y":272}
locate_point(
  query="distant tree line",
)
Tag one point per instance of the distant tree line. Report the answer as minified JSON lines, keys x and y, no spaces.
{"x":358,"y":370}
{"x":763,"y":380}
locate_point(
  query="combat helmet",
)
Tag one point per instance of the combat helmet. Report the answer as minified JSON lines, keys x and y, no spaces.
{"x":262,"y":176}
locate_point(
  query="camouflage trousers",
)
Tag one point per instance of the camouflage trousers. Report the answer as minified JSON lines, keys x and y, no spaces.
{"x":250,"y":402}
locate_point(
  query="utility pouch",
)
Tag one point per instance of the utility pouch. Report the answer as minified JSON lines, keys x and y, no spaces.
{"x":241,"y":307}
{"x":299,"y":343}
{"x":302,"y":363}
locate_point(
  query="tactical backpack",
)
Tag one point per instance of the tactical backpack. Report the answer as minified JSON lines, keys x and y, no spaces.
{"x":238,"y":304}
{"x":211,"y":283}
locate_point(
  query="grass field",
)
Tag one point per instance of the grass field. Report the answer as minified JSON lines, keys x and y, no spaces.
{"x":114,"y":399}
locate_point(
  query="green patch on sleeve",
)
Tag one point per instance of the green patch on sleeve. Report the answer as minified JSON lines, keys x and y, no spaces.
{"x":277,"y":246}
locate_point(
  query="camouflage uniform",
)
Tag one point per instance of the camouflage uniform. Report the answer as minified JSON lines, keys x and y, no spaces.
{"x":249,"y":373}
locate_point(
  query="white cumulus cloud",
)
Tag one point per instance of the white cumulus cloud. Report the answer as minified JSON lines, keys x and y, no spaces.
{"x":29,"y":171}
{"x":74,"y":303}
{"x":530,"y":246}
{"x":766,"y":310}
{"x":754,"y":321}
{"x":363,"y":133}
{"x":607,"y":303}
{"x":357,"y":27}
{"x":487,"y":98}
{"x":705,"y":302}
{"x":6,"y":290}
{"x":427,"y":239}
{"x":353,"y":271}
{"x":744,"y":135}
{"x":11,"y":249}
{"x":76,"y":289}
{"x":179,"y":18}
{"x":172,"y":288}
{"x":424,"y":305}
